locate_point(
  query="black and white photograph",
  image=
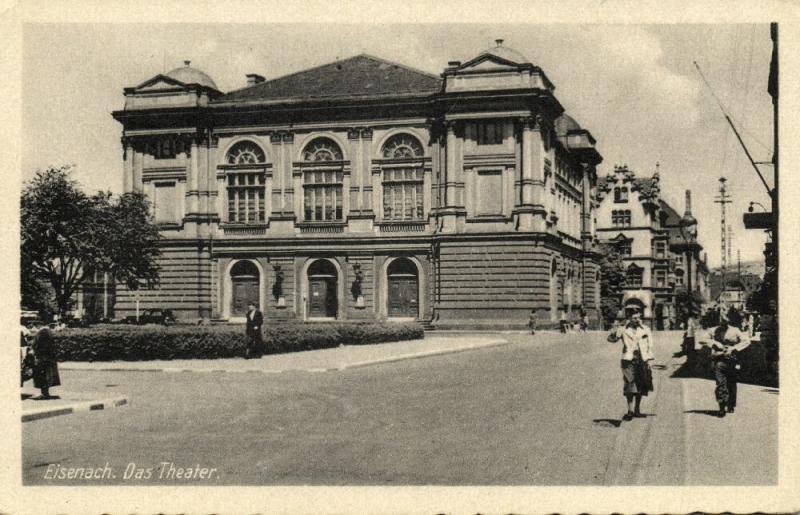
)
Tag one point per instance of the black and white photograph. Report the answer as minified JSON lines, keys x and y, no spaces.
{"x":285,"y":253}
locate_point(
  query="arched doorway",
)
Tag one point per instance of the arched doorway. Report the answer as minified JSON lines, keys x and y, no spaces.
{"x":322,"y":290}
{"x":403,"y":289}
{"x":244,"y":286}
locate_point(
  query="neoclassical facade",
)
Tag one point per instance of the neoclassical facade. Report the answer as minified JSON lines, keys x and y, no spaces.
{"x":365,"y":189}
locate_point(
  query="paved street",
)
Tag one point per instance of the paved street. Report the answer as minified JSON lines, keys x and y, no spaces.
{"x":543,"y":410}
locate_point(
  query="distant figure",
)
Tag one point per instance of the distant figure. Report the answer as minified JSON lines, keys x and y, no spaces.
{"x":532,"y":321}
{"x":584,"y":325}
{"x":687,"y":345}
{"x":726,"y":341}
{"x":45,"y":368}
{"x":255,"y":343}
{"x":637,"y":353}
{"x":563,"y":321}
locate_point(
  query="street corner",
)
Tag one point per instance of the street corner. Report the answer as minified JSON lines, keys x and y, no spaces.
{"x":67,"y":403}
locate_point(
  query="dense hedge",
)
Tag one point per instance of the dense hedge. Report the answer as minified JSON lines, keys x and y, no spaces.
{"x":148,"y":342}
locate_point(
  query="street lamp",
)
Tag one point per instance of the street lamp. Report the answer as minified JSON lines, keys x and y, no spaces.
{"x":750,"y":209}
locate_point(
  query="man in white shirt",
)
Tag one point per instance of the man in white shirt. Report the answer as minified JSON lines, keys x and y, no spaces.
{"x":637,"y":353}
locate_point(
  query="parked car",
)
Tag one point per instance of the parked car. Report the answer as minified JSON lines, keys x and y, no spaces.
{"x":152,"y":316}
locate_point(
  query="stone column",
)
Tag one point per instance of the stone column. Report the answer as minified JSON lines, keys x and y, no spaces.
{"x":138,"y":157}
{"x":192,"y":172}
{"x":127,"y":165}
{"x":450,"y":171}
{"x":356,"y":173}
{"x":586,"y":208}
{"x":527,"y":161}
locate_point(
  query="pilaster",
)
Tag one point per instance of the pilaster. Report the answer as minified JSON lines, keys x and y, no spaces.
{"x":127,"y":165}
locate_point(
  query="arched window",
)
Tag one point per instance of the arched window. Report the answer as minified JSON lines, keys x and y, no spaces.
{"x":633,"y":276}
{"x":245,"y":153}
{"x":402,"y":178}
{"x":322,"y":149}
{"x":245,"y":183}
{"x":322,"y":181}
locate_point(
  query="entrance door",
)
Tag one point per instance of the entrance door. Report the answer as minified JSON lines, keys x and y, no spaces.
{"x":322,"y":290}
{"x":245,"y":291}
{"x":403,"y":294}
{"x":244,"y":283}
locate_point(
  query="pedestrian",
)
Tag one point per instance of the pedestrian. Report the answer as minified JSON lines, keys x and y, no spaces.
{"x":725,"y":342}
{"x":532,"y":321}
{"x":45,"y":367}
{"x":637,"y":353}
{"x":584,"y":321}
{"x":688,"y":342}
{"x":563,"y":321}
{"x":255,"y":343}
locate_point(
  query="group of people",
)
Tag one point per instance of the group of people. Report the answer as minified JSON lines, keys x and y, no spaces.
{"x":724,"y":341}
{"x":39,"y":360}
{"x":565,"y":326}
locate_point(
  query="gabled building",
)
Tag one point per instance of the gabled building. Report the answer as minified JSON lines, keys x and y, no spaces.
{"x":659,"y":247}
{"x":366,"y":189}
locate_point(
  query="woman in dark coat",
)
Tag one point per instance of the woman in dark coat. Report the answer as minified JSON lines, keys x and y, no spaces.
{"x":45,"y":368}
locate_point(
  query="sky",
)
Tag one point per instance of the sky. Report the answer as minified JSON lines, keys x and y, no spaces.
{"x":634,"y":87}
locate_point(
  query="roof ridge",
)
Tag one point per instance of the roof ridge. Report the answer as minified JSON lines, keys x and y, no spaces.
{"x":313,"y":68}
{"x":292,"y":74}
{"x":401,"y":65}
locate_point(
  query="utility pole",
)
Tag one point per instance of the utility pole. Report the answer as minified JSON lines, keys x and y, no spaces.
{"x":722,"y":199}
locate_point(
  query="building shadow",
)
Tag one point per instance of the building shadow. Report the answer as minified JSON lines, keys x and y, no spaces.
{"x":26,"y":396}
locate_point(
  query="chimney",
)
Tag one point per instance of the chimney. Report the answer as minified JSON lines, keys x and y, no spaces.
{"x":688,"y":202}
{"x":254,"y":78}
{"x":499,"y":42}
{"x":187,"y":63}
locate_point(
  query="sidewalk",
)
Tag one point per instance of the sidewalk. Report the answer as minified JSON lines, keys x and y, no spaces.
{"x":323,"y":360}
{"x":66,"y":403}
{"x":742,"y":445}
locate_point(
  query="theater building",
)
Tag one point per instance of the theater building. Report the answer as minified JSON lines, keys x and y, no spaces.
{"x":365,"y":189}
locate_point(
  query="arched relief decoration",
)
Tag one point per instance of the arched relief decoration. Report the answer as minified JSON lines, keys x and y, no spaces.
{"x":242,"y":146}
{"x":303,"y":141}
{"x":421,"y":136}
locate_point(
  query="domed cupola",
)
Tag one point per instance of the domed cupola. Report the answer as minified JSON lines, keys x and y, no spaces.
{"x":497,"y":67}
{"x":506,"y":53}
{"x":188,"y":75}
{"x":182,"y":87}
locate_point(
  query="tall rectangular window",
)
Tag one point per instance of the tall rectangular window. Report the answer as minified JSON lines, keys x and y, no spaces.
{"x":246,"y":196}
{"x":322,"y":195}
{"x":661,"y":278}
{"x":661,"y":249}
{"x":402,"y":193}
{"x":164,"y":203}
{"x":489,"y":133}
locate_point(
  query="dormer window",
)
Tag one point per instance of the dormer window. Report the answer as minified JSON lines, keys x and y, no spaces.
{"x":621,"y":194}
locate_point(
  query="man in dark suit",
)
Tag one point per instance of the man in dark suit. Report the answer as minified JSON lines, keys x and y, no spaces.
{"x":255,"y":344}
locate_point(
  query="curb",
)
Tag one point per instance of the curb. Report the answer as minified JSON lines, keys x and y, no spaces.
{"x":416,"y":355}
{"x":377,"y":361}
{"x":82,"y":406}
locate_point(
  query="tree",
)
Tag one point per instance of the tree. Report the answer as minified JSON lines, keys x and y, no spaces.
{"x":67,"y":235}
{"x":612,"y":280}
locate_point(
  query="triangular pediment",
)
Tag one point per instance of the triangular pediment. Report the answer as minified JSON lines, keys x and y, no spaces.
{"x":159,"y":82}
{"x":489,"y":62}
